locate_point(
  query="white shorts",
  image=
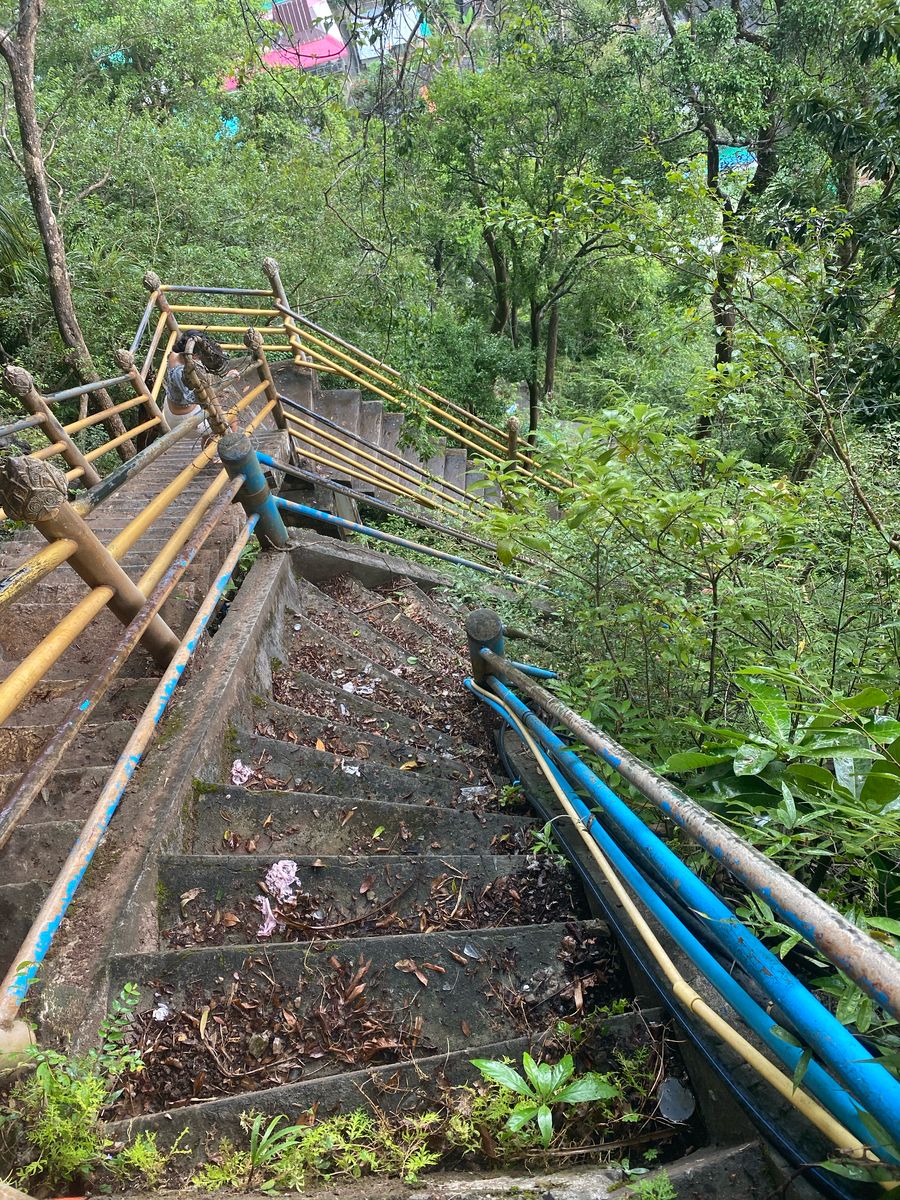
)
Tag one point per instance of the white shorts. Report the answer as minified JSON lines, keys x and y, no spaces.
{"x":173,"y":419}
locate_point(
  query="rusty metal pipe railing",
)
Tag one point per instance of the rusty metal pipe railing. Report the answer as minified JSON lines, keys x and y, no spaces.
{"x":84,"y":707}
{"x":33,"y":950}
{"x":125,"y":360}
{"x":24,"y":577}
{"x":254,"y":343}
{"x":19,"y":682}
{"x":19,"y":384}
{"x":84,"y":388}
{"x":870,"y":965}
{"x":160,"y":564}
{"x":370,"y":458}
{"x":389,"y":455}
{"x":144,"y":322}
{"x":46,"y":452}
{"x":97,"y":417}
{"x":382,"y":505}
{"x":270,"y":270}
{"x":215,"y":291}
{"x":25,"y":423}
{"x":250,"y":312}
{"x":154,"y":342}
{"x":356,"y":470}
{"x":123,"y":437}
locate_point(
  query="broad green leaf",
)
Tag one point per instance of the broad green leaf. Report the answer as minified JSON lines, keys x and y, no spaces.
{"x":879,"y":789}
{"x":809,"y":771}
{"x":869,"y":697}
{"x":784,"y":1036}
{"x":531,"y":1069}
{"x":561,"y":1072}
{"x":503,"y":1074}
{"x":751,"y":759}
{"x":521,"y":1115}
{"x":801,"y":1067}
{"x":545,"y":1124}
{"x":771,"y":706}
{"x":886,"y":924}
{"x":590,"y":1087}
{"x":690,"y":760}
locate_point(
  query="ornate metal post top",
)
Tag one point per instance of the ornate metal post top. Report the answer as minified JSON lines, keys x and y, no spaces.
{"x":253,"y":341}
{"x":17,"y":381}
{"x":31,"y":490}
{"x":124,"y":360}
{"x":152,"y":281}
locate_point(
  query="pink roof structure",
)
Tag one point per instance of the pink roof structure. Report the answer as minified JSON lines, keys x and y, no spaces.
{"x":310,"y":54}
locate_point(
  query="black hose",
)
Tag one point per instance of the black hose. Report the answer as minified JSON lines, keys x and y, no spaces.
{"x":831,"y":1186}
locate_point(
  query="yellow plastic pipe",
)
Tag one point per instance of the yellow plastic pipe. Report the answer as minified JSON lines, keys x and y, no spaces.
{"x":363,"y":472}
{"x":48,"y":451}
{"x":22,"y":679}
{"x":25,"y":576}
{"x":199,"y":308}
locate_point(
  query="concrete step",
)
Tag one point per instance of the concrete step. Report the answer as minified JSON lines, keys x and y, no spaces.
{"x":319,"y":652}
{"x":50,"y":700}
{"x":227,"y":819}
{"x":469,"y":980}
{"x":308,"y":694}
{"x":455,"y":466}
{"x":354,"y":630}
{"x":70,"y":793}
{"x":96,"y":744}
{"x":338,"y":737}
{"x":305,"y":769}
{"x":19,"y":905}
{"x":37,"y":852}
{"x":357,"y":897}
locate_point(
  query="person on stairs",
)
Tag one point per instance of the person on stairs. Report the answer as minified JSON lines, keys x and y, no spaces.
{"x":181,"y":402}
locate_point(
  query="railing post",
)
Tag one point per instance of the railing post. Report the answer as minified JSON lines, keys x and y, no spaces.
{"x":270,"y":267}
{"x":513,"y":425}
{"x":124,"y":360}
{"x":239,"y":458}
{"x":206,"y":397}
{"x":35,"y":491}
{"x":19,"y":384}
{"x":153,"y":283}
{"x":483,"y":628}
{"x":254,"y":343}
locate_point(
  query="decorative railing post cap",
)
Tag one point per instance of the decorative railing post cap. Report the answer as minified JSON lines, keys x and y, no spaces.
{"x":253,"y":339}
{"x":270,"y":267}
{"x":31,"y":490}
{"x":484,"y":625}
{"x":513,"y":424}
{"x":16,"y":381}
{"x":152,"y":281}
{"x":123,"y":359}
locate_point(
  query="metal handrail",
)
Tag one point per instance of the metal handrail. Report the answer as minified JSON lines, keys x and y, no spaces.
{"x":390,"y":455}
{"x":365,"y":472}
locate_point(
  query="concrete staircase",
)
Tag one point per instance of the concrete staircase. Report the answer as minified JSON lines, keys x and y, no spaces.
{"x":369,"y":420}
{"x":37,"y":849}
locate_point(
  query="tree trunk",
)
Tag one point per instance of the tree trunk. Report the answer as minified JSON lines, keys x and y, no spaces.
{"x":501,"y":282}
{"x":550,"y":358}
{"x":19,"y":55}
{"x":534,"y":392}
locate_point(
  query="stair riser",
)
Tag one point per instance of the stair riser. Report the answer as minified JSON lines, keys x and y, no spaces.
{"x":296,"y":829}
{"x":354,"y":894}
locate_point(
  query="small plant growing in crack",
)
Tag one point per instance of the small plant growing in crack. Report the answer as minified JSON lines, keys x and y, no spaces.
{"x":544,"y":1086}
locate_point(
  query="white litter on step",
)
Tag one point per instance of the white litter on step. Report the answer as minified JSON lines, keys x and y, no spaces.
{"x":239,"y":773}
{"x":349,"y":770}
{"x":349,"y":686}
{"x":269,"y":924}
{"x":161,"y":1012}
{"x":472,"y":793}
{"x":281,"y":879}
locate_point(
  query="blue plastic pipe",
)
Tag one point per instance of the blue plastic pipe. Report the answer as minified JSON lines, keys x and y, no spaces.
{"x":537,"y":672}
{"x":818,"y":1081}
{"x":876,"y":1090}
{"x":304,"y":511}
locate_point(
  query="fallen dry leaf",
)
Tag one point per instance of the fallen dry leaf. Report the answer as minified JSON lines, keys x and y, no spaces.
{"x":320,"y":745}
{"x":229,"y":920}
{"x":459,"y":958}
{"x":465,"y":1028}
{"x":204,"y":1017}
{"x":410,"y":766}
{"x":366,"y":884}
